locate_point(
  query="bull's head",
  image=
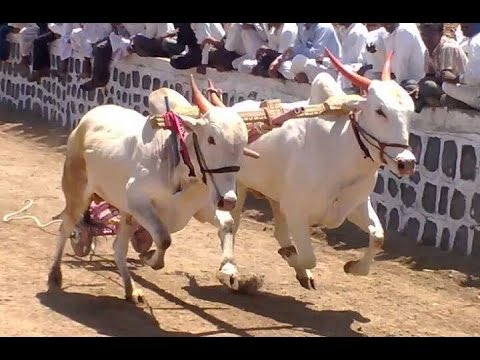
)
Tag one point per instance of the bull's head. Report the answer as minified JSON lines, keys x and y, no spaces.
{"x":386,"y":110}
{"x":222,"y":137}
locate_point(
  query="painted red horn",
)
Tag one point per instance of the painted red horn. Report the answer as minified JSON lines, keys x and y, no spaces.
{"x":198,"y":99}
{"x":387,"y":67}
{"x":215,"y":100}
{"x":362,"y":82}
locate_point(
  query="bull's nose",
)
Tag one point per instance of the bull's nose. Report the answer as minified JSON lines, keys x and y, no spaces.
{"x":226,"y":204}
{"x":406,"y":167}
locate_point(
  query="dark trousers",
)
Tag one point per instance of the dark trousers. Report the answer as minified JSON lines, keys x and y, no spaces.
{"x":41,"y":50}
{"x":191,"y":59}
{"x":146,"y":47}
{"x":221,"y":59}
{"x":102,"y":56}
{"x":4,"y":43}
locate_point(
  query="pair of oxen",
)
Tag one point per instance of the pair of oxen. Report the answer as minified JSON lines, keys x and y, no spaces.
{"x":312,"y":170}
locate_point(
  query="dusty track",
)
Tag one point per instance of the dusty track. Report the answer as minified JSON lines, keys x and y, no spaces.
{"x":411,"y":290}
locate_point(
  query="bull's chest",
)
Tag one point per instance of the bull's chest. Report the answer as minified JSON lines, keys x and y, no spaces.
{"x":178,"y":209}
{"x":342,"y":202}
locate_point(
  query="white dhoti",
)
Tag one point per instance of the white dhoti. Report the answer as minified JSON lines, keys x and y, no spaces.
{"x":302,"y":64}
{"x":120,"y":45}
{"x":65,"y":47}
{"x":251,"y":43}
{"x":469,"y":94}
{"x":27,"y":35}
{"x":233,"y":40}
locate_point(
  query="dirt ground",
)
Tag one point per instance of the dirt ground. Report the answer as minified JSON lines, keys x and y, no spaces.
{"x":411,"y":290}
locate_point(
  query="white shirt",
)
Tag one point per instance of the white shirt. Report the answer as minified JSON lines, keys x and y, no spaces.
{"x":376,"y":38}
{"x":312,"y":42}
{"x":353,"y":43}
{"x":135,"y":28}
{"x":63,"y":29}
{"x":157,"y":30}
{"x":408,"y":61}
{"x":97,"y":31}
{"x":282,"y":38}
{"x":472,"y":72}
{"x":204,"y":30}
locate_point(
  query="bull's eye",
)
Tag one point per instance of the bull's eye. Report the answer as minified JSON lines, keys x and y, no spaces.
{"x":380,"y":112}
{"x":211,"y":140}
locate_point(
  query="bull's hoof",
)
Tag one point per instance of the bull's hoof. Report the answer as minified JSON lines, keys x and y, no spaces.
{"x":249,"y":284}
{"x":356,"y":267}
{"x":55,"y":279}
{"x":136,"y":297}
{"x":307,"y":282}
{"x":141,"y":241}
{"x":228,"y":279}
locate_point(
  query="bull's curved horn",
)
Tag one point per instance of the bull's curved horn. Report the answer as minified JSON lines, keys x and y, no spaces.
{"x":250,"y":153}
{"x":215,"y":100}
{"x":197,"y":97}
{"x":362,"y":82}
{"x":387,"y":67}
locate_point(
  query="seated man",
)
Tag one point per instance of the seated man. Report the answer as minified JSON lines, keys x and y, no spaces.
{"x":442,"y":53}
{"x":306,"y":57}
{"x":281,"y":36}
{"x":64,"y":32}
{"x":186,"y":39}
{"x":408,"y":63}
{"x":466,"y":86}
{"x":41,"y":51}
{"x":221,"y":52}
{"x":117,"y":45}
{"x":253,"y":37}
{"x":353,"y":44}
{"x":83,"y":38}
{"x":209,"y":37}
{"x":27,"y":35}
{"x":375,"y":52}
{"x":157,"y":41}
{"x":5,"y":29}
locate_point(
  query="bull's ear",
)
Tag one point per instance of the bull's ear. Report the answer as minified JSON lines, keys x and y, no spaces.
{"x":354,"y":104}
{"x":194,"y":124}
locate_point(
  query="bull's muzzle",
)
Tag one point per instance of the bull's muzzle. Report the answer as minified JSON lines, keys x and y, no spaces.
{"x":227,"y":202}
{"x":154,"y":259}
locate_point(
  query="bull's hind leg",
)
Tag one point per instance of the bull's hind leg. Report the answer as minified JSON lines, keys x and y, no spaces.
{"x":288,"y":250}
{"x":365,"y":217}
{"x":120,"y":246}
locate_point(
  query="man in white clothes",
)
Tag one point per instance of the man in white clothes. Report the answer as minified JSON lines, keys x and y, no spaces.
{"x":156,"y":41}
{"x":408,"y":63}
{"x":306,"y":58}
{"x":375,"y":52}
{"x":121,"y":39}
{"x":353,"y":44}
{"x":209,"y":37}
{"x":281,"y":36}
{"x":254,"y":37}
{"x":63,"y":31}
{"x":466,"y":87}
{"x":83,"y":38}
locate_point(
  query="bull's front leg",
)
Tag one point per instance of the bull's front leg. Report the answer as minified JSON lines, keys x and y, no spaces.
{"x":140,"y":206}
{"x":120,"y":247}
{"x":365,"y":217}
{"x":227,"y":225}
{"x":287,"y":249}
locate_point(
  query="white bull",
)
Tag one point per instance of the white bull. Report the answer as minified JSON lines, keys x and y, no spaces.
{"x":316,"y":170}
{"x":118,"y":155}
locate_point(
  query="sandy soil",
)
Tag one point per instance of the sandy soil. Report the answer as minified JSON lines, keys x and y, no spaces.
{"x":410,"y":291}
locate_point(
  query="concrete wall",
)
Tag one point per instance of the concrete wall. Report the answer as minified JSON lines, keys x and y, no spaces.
{"x":437,"y":206}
